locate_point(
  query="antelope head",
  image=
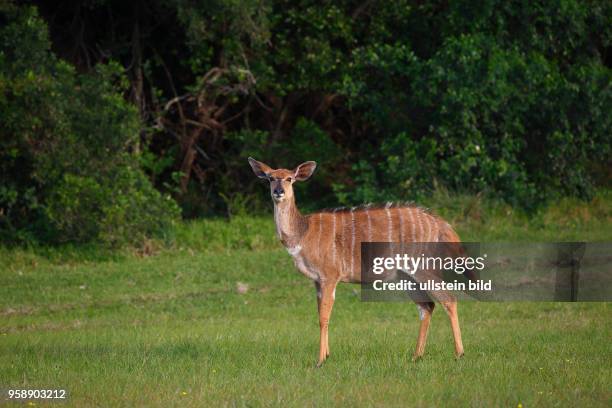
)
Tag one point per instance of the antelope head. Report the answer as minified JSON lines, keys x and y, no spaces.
{"x":281,"y":180}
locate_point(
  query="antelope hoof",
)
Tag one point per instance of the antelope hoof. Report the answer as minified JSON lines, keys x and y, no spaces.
{"x":458,"y":355}
{"x":417,"y":357}
{"x":320,"y":363}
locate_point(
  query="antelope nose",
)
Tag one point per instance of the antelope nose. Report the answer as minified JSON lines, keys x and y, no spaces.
{"x":278,"y":192}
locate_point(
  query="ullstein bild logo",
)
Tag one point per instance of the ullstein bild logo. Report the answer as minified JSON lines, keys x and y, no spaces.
{"x":422,"y":272}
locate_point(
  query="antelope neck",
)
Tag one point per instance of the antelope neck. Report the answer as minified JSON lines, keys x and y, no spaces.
{"x":290,"y":224}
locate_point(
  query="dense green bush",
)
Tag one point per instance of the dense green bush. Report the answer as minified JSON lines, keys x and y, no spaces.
{"x":484,"y":108}
{"x":393,"y":99}
{"x":483,"y":118}
{"x":67,"y":172}
{"x":505,"y":98}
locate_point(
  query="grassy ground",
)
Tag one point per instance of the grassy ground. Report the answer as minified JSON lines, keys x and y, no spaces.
{"x":168,"y":327}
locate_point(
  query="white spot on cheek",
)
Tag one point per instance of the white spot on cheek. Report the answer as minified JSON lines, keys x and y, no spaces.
{"x":319,"y":292}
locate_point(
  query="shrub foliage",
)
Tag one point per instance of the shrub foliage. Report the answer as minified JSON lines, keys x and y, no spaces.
{"x":67,"y":168}
{"x":506,"y":98}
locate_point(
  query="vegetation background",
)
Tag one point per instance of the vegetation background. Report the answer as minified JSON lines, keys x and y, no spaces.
{"x":138,"y":261}
{"x":119,"y":115}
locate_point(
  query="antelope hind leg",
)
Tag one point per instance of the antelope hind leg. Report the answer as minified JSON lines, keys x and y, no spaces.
{"x":425,"y":312}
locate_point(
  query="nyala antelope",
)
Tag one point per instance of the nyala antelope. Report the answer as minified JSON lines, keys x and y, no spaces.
{"x":325,"y":246}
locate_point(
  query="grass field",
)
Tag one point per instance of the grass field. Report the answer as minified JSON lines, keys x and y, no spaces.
{"x":168,"y":327}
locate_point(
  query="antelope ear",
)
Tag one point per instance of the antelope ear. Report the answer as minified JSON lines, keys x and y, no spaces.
{"x":260,"y":169}
{"x":305,"y":170}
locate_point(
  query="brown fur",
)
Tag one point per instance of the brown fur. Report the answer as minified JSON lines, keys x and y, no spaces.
{"x":326,"y":245}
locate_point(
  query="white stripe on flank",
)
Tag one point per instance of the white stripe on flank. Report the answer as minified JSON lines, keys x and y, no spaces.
{"x":320,"y":228}
{"x":418,"y":218}
{"x":401,"y":219}
{"x":434,"y":237}
{"x":334,"y":237}
{"x":389,"y":223}
{"x":428,"y":224}
{"x":412,"y":225}
{"x":352,"y":241}
{"x":369,"y":225}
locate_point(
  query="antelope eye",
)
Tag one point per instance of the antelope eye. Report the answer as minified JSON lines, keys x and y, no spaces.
{"x":289,"y":179}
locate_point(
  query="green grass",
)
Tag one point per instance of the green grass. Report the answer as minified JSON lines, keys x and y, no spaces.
{"x":166,"y":326}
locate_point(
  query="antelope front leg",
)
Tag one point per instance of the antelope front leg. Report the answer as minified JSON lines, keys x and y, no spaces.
{"x":326,"y":303}
{"x":319,"y":295}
